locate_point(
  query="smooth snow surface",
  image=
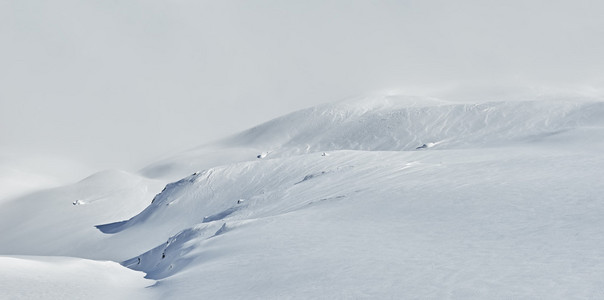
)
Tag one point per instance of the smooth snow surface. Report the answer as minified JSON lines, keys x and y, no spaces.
{"x":21,"y":173}
{"x":381,"y":198}
{"x":31,"y":277}
{"x":51,"y":219}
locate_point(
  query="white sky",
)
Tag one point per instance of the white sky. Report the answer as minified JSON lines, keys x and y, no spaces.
{"x":117,"y":83}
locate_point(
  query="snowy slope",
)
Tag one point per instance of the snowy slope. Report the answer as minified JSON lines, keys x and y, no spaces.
{"x":69,"y":278}
{"x":379,"y":197}
{"x":390,"y":123}
{"x":60,"y":221}
{"x":379,"y":224}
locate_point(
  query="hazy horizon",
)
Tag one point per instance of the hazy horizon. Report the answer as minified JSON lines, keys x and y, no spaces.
{"x":406,"y":149}
{"x":117,"y":84}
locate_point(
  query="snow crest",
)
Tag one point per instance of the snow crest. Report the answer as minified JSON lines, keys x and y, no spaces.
{"x":390,"y":123}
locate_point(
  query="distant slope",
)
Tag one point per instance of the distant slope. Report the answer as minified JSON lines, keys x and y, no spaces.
{"x":21,"y":173}
{"x":60,"y":221}
{"x":390,"y":124}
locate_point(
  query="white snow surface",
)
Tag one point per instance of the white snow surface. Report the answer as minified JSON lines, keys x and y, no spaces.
{"x":390,"y":123}
{"x":31,"y":277}
{"x":503,"y":202}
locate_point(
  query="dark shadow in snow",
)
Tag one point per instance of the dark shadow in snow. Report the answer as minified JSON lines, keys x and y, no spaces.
{"x":220,"y":231}
{"x":167,"y":196}
{"x":310,"y":176}
{"x":322,"y":200}
{"x":156,"y":284}
{"x":221,"y":215}
{"x":111,"y":228}
{"x":333,"y":198}
{"x":172,"y":256}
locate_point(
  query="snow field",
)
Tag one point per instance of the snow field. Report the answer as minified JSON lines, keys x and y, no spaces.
{"x":33,"y":277}
{"x":505,"y":201}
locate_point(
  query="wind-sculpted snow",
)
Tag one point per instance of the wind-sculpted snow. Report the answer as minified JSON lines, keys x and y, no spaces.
{"x":227,"y":192}
{"x":391,"y":129}
{"x":391,"y":124}
{"x":364,"y":199}
{"x":174,"y":255}
{"x":367,"y":223}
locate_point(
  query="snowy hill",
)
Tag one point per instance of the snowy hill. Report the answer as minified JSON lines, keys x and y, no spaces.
{"x":63,"y":219}
{"x":376,"y":197}
{"x":30,"y":277}
{"x":390,"y":123}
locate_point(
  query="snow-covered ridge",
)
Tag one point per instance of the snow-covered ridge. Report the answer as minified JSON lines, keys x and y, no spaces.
{"x":389,"y":123}
{"x":372,"y":197}
{"x":390,"y":127}
{"x":375,"y":211}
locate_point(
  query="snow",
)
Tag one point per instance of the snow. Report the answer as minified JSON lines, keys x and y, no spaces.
{"x":49,"y":217}
{"x":376,"y":197}
{"x":31,"y":277}
{"x":414,"y":224}
{"x":389,"y":123}
{"x":21,"y":174}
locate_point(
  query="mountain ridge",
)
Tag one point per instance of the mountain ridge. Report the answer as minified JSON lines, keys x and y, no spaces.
{"x":389,"y":124}
{"x":367,"y":198}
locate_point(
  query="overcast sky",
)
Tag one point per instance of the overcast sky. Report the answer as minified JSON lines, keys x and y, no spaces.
{"x":117,"y":83}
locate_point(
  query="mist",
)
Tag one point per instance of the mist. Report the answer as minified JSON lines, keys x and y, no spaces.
{"x":117,"y":84}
